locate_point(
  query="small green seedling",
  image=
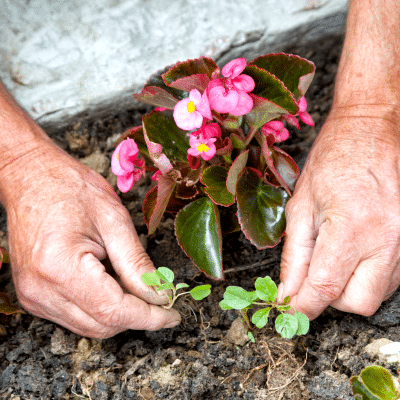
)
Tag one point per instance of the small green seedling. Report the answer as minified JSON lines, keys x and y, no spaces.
{"x":163,"y":278}
{"x":265,"y":295}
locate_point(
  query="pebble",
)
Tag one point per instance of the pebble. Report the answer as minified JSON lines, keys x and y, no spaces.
{"x":237,"y":333}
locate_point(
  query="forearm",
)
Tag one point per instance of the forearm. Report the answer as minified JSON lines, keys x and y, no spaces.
{"x":369,"y":69}
{"x":20,"y":142}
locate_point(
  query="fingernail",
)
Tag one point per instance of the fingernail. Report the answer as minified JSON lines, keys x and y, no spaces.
{"x":173,"y":324}
{"x":280,"y":293}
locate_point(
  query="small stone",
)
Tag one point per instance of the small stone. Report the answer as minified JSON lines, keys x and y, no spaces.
{"x":147,"y":393}
{"x":98,"y":162}
{"x":61,"y":343}
{"x":176,"y":363}
{"x":372,"y":349}
{"x":100,"y":391}
{"x":237,"y":333}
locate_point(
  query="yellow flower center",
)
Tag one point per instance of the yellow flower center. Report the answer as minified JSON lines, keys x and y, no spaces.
{"x":117,"y":156}
{"x":202,"y":147}
{"x":191,"y":107}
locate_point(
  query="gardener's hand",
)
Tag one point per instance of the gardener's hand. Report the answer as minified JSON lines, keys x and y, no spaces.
{"x":342,"y":244}
{"x":62,"y":219}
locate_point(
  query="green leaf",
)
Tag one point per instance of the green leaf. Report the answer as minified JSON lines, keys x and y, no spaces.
{"x":286,"y":167}
{"x":283,"y":308}
{"x":235,"y":170}
{"x":224,"y":305}
{"x":379,"y":382}
{"x":260,"y":317}
{"x":286,"y":325}
{"x":266,"y":289}
{"x":285,"y":300}
{"x":295,"y":72}
{"x":198,"y":231}
{"x":360,"y":391}
{"x":165,"y":274}
{"x":165,"y":286}
{"x":181,"y":286}
{"x":214,"y":178}
{"x":200,"y":292}
{"x":238,"y":298}
{"x":5,"y":257}
{"x":303,"y":323}
{"x":251,"y":336}
{"x":261,"y":210}
{"x":160,"y":128}
{"x":150,"y":279}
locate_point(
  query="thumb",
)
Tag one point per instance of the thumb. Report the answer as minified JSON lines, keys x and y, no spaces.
{"x":130,"y":260}
{"x":298,"y":247}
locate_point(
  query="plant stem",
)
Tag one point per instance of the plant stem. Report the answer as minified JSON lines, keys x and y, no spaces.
{"x":250,"y":136}
{"x":246,"y":318}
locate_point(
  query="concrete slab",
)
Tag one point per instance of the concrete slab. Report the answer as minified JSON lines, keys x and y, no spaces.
{"x":60,"y":58}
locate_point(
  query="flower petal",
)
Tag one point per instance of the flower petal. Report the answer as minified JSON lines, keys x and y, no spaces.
{"x":306,"y":118}
{"x":115,"y":167}
{"x":244,"y":105}
{"x":195,"y":96}
{"x":127,"y":154}
{"x":244,"y":82}
{"x":210,"y":153}
{"x":302,"y":103}
{"x":212,"y":130}
{"x":292,"y":120}
{"x":222,"y":100}
{"x":234,"y":68}
{"x":125,"y":182}
{"x":203,"y":106}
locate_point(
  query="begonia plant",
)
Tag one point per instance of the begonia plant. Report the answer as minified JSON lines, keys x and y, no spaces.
{"x":211,"y":145}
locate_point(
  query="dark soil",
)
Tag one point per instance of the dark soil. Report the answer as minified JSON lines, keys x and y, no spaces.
{"x":206,"y":356}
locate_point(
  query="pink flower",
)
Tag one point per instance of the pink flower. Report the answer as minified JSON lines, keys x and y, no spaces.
{"x":229,"y":95}
{"x":277,"y":129}
{"x":202,"y":147}
{"x":302,"y":113}
{"x":126,"y":166}
{"x":208,"y":131}
{"x":156,"y":175}
{"x":189,"y":113}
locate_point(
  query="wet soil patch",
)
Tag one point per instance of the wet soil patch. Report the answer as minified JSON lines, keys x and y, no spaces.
{"x":208,"y":355}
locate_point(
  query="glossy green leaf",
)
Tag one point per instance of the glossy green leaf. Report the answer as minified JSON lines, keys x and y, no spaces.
{"x":165,"y":274}
{"x":379,"y":382}
{"x":286,"y":325}
{"x":238,"y":298}
{"x":261,"y":210}
{"x":200,"y":292}
{"x":181,"y":286}
{"x":151,"y":279}
{"x":235,"y":170}
{"x":198,"y":231}
{"x":266,"y":289}
{"x":160,"y":128}
{"x":260,"y":317}
{"x":156,"y":93}
{"x":191,"y":74}
{"x":214,"y":179}
{"x":304,"y":323}
{"x":295,"y":72}
{"x":360,"y":391}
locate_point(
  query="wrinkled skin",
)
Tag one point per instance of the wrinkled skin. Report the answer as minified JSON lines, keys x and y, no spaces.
{"x":342,"y":244}
{"x":62,"y":219}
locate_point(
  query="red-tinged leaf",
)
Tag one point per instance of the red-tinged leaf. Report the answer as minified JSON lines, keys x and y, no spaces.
{"x":157,"y":93}
{"x":223,"y":147}
{"x":268,"y":153}
{"x":235,"y":170}
{"x":379,"y":382}
{"x":165,"y":187}
{"x":286,"y":167}
{"x":185,"y":192}
{"x":149,"y":204}
{"x":214,"y":179}
{"x":137,"y":135}
{"x":176,"y":204}
{"x":295,"y":72}
{"x":4,"y":256}
{"x":261,"y":210}
{"x":188,"y":83}
{"x":160,"y":128}
{"x":198,"y":230}
{"x":199,"y":71}
{"x":229,"y":221}
{"x":237,"y":142}
{"x":6,"y":307}
{"x":360,"y":391}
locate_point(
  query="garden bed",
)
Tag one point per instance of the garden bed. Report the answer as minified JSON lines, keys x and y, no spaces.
{"x":207,"y":356}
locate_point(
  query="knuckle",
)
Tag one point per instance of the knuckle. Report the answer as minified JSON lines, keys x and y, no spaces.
{"x":327,"y":290}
